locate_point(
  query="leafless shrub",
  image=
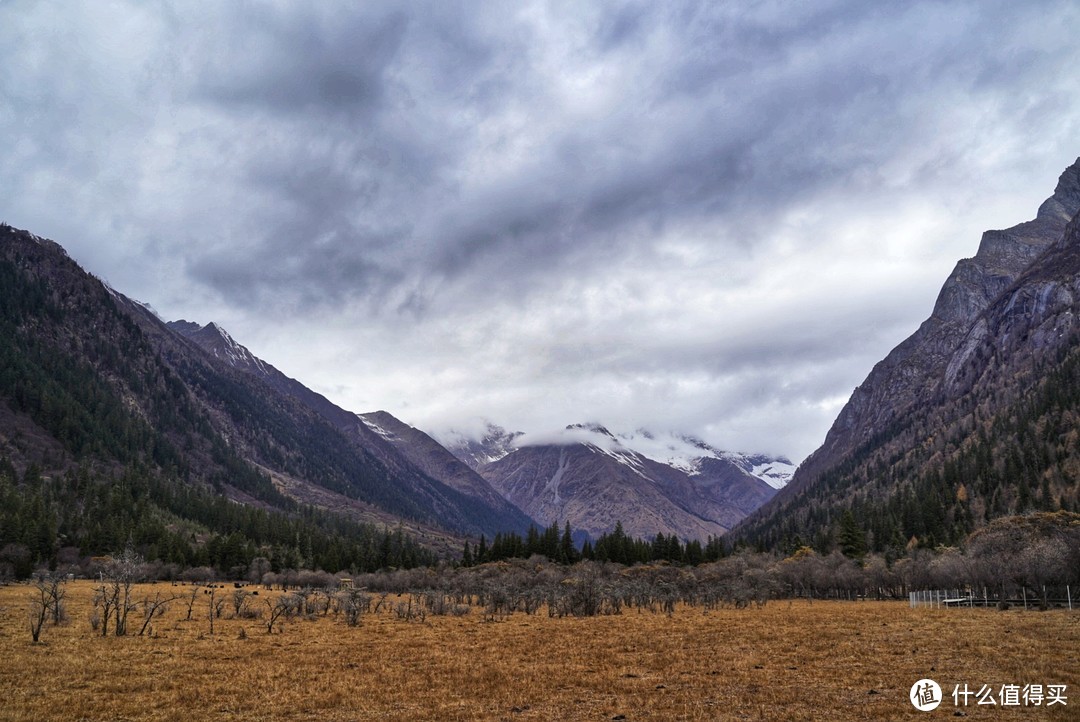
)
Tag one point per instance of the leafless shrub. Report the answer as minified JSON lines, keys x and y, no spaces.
{"x":287,"y":606}
{"x":353,"y":603}
{"x":239,"y":601}
{"x":191,"y":597}
{"x":411,"y":610}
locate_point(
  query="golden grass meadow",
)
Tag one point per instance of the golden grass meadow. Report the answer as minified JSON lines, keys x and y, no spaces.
{"x":789,"y":660}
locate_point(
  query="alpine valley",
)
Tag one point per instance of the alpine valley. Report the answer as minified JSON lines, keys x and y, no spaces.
{"x":118,"y":428}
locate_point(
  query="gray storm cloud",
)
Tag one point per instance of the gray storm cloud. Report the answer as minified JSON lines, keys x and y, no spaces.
{"x":706,"y":216}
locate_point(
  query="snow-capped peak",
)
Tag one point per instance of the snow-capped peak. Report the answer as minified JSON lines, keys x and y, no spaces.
{"x":683,"y":452}
{"x":776,"y":473}
{"x":687,"y":453}
{"x":480,"y":442}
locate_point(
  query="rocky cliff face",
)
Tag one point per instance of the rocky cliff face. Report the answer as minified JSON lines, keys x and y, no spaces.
{"x":928,"y":361}
{"x":974,"y":415}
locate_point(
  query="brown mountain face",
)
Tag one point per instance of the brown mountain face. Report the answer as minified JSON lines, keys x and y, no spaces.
{"x":416,"y":467}
{"x":90,"y":377}
{"x":939,"y":438}
{"x":596,"y":485}
{"x":434,"y":460}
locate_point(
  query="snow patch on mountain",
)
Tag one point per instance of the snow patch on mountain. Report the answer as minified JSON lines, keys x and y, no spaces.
{"x":229,"y":350}
{"x":217,"y":341}
{"x":376,"y":428}
{"x":121,"y":297}
{"x":775,"y":473}
{"x":621,"y":454}
{"x":681,"y":452}
{"x":477,"y":441}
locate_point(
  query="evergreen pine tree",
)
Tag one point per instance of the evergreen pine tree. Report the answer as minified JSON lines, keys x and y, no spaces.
{"x":852,"y":538}
{"x":567,"y":552}
{"x":466,"y":556}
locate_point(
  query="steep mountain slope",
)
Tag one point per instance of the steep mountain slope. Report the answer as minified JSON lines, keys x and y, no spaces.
{"x":591,"y":479}
{"x":103,"y":444}
{"x":437,"y":490}
{"x":217,"y":342}
{"x":77,"y":368}
{"x":970,"y":417}
{"x":434,"y":460}
{"x":395,"y":452}
{"x":104,"y":378}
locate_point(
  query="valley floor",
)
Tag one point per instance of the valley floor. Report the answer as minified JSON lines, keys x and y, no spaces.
{"x":787,"y":660}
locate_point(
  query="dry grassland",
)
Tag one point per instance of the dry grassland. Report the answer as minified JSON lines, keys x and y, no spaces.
{"x":786,"y":661}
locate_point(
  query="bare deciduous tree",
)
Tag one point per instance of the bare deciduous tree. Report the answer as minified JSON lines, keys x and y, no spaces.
{"x":50,"y":593}
{"x":113,"y":593}
{"x":215,"y":607}
{"x":287,"y":605}
{"x":153,"y":609}
{"x":191,"y":602}
{"x":39,"y":607}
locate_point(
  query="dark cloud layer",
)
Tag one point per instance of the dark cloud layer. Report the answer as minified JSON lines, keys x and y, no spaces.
{"x":710,"y":216}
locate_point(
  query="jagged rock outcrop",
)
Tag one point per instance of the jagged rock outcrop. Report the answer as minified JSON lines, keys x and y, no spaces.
{"x":973,"y":416}
{"x":927,"y":362}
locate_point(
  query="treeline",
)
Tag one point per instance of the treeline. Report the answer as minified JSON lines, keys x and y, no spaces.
{"x":615,"y":546}
{"x":1036,"y":556}
{"x":66,"y":520}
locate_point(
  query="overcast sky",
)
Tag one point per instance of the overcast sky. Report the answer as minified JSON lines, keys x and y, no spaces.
{"x":706,"y":217}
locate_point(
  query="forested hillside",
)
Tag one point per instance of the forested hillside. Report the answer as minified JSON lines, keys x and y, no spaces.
{"x":115,"y":431}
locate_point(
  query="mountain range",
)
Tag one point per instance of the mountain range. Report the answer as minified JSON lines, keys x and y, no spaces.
{"x":93,"y":380}
{"x":117,"y":426}
{"x":652,"y":484}
{"x":973,"y":416}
